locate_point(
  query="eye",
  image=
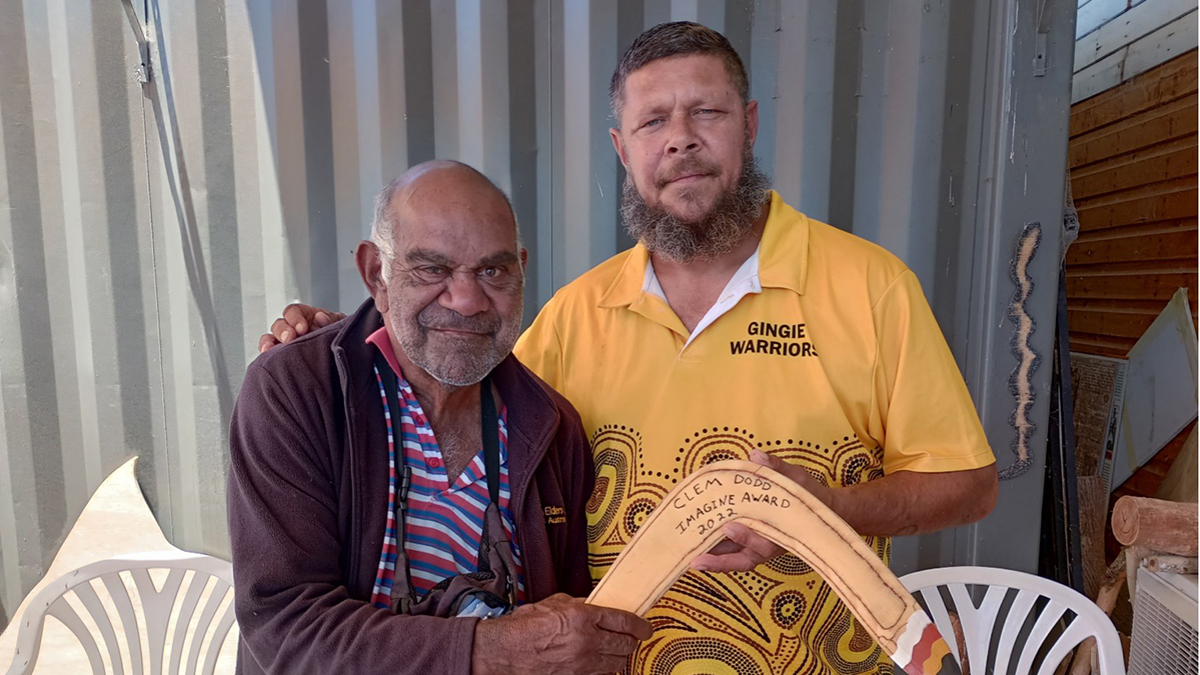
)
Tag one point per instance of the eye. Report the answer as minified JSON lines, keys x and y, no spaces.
{"x":431,"y":273}
{"x":491,"y":272}
{"x":652,"y":123}
{"x":705,"y":112}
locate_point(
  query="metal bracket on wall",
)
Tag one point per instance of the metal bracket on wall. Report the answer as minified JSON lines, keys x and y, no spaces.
{"x":1040,"y":41}
{"x":143,"y":73}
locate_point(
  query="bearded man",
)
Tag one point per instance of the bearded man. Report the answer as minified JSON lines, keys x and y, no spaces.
{"x":397,"y":476}
{"x":739,"y":328}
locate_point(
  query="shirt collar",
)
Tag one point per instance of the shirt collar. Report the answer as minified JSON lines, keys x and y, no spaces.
{"x":628,"y":285}
{"x":783,"y":251}
{"x":782,"y":258}
{"x":383,"y":342}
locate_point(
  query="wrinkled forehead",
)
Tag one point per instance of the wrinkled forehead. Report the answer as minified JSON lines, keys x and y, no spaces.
{"x":464,"y":217}
{"x":673,"y":79}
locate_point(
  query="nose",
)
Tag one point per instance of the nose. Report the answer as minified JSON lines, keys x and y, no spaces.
{"x":683,"y":138}
{"x":464,"y":294}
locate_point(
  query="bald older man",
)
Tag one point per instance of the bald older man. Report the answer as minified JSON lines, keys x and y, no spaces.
{"x":400,"y":474}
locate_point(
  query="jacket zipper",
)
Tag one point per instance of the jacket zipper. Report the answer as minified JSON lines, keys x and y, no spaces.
{"x":355,"y":503}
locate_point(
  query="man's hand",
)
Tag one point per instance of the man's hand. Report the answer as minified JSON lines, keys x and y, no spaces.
{"x":900,"y":503}
{"x":560,"y":634}
{"x":744,"y":549}
{"x":297,"y":320}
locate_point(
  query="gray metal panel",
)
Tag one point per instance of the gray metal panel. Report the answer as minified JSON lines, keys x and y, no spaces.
{"x":149,"y":236}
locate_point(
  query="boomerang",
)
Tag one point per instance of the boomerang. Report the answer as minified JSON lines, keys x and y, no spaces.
{"x":689,"y":521}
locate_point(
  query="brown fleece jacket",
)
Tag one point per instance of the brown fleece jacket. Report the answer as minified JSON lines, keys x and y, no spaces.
{"x":307,"y":505}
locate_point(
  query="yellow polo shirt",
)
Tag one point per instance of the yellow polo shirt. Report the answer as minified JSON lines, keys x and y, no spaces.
{"x":830,"y":358}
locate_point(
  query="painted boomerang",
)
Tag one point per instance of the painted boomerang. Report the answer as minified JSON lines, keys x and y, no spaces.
{"x":688,"y":522}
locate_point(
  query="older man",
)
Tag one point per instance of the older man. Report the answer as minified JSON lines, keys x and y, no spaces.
{"x":357,"y":480}
{"x":738,"y":327}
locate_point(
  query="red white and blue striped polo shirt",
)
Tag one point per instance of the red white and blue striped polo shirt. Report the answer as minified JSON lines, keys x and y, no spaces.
{"x":444,"y":523}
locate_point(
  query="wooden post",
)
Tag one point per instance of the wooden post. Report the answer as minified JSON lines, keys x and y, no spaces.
{"x":1156,"y":524}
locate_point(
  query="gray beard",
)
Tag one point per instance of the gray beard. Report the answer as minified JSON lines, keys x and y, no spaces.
{"x":716,"y":234}
{"x":458,"y":368}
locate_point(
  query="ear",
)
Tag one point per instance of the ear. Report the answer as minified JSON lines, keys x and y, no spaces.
{"x":370,"y":268}
{"x":619,"y":146}
{"x":524,"y":258}
{"x":752,"y":120}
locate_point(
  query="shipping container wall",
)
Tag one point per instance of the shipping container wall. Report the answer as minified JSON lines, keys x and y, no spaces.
{"x":160,"y":202}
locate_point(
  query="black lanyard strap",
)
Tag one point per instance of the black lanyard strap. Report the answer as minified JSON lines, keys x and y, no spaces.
{"x":489,"y":432}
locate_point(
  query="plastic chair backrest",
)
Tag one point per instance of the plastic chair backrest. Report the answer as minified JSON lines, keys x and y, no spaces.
{"x":158,"y":608}
{"x":1043,"y":617}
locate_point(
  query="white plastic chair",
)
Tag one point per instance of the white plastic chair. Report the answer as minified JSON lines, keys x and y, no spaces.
{"x":158,"y":607}
{"x":1038,"y":607}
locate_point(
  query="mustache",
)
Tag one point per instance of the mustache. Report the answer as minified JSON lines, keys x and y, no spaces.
{"x":685,"y":167}
{"x":440,"y":318}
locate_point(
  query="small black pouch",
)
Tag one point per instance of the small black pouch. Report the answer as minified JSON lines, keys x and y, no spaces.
{"x":486,"y":593}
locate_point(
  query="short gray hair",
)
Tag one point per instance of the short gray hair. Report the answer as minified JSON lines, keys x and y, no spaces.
{"x":678,"y":38}
{"x":383,"y":226}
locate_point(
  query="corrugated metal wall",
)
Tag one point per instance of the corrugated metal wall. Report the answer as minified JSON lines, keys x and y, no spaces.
{"x":149,"y":234}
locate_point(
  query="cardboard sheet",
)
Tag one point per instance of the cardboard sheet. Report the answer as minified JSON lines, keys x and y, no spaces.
{"x":1098,"y":389}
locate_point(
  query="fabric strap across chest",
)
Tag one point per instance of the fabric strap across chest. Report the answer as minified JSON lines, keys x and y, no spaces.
{"x":395,"y":575}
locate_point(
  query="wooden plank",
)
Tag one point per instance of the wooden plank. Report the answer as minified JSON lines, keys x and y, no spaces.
{"x":1097,"y":13}
{"x":1093,"y":514}
{"x":1138,"y":206}
{"x":1160,"y":246}
{"x":1081,"y":178}
{"x":1110,"y":323}
{"x":1111,"y":326}
{"x":1168,"y":73}
{"x":1154,"y":164}
{"x":1101,"y":345}
{"x":1170,"y":81}
{"x":1164,"y":44}
{"x":1168,"y":122}
{"x":1146,"y":229}
{"x":1134,"y":268}
{"x":1127,"y":28}
{"x":1178,"y":37}
{"x":1180,"y":482}
{"x":1133,"y":287}
{"x":1126,"y":305}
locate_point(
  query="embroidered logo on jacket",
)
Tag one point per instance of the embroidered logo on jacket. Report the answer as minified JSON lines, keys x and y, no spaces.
{"x":555,"y":515}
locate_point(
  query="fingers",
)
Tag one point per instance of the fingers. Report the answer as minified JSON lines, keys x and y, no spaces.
{"x":626,"y":623}
{"x":760,"y":457}
{"x":265,"y":342}
{"x":562,"y":634}
{"x":742,"y":550}
{"x":324,"y":317}
{"x":753,"y":543}
{"x":298,"y":317}
{"x":282,"y":331}
{"x":795,"y":472}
